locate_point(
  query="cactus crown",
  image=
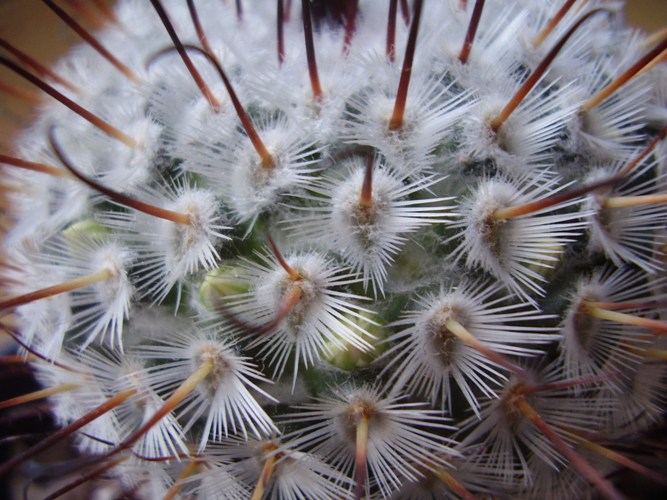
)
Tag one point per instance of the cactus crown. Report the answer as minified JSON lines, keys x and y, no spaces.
{"x":347,"y":249}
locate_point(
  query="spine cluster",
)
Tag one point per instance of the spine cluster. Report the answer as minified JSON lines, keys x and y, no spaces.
{"x":363,"y":249}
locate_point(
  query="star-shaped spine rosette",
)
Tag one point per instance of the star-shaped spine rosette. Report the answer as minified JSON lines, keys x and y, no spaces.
{"x":171,"y":250}
{"x":304,"y":300}
{"x":527,"y":140}
{"x":88,"y":388}
{"x":86,"y":277}
{"x":427,"y":355}
{"x":625,"y":221}
{"x":378,"y":439}
{"x":518,"y":249}
{"x":248,"y":186}
{"x":367,"y":212}
{"x":594,"y":342}
{"x":532,"y":424}
{"x":223,"y":399}
{"x":274,"y":468}
{"x":428,"y":123}
{"x":118,"y":374}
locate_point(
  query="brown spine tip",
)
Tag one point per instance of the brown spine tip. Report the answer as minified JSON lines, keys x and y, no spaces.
{"x":19,"y":93}
{"x":290,"y":300}
{"x":640,"y":304}
{"x":36,"y":395}
{"x":451,"y":482}
{"x":201,"y":84}
{"x":635,"y":201}
{"x":590,"y":380}
{"x":198,"y":27}
{"x":470,"y":340}
{"x":264,"y":154}
{"x":472,"y":30}
{"x":117,"y":197}
{"x":391,"y":31}
{"x":620,"y":459}
{"x":577,"y":461}
{"x":108,"y":12}
{"x":350,"y":24}
{"x":657,"y":53}
{"x":36,"y":167}
{"x":68,"y":430}
{"x":405,"y":12}
{"x":92,"y":41}
{"x":266,"y":473}
{"x":645,"y":152}
{"x":655,"y":38}
{"x":80,"y":110}
{"x":539,"y":71}
{"x":187,"y":471}
{"x":92,"y":15}
{"x":396,"y":120}
{"x":281,"y":260}
{"x":39,"y":68}
{"x":361,"y":453}
{"x":280,"y":24}
{"x":366,"y":196}
{"x":16,"y":337}
{"x":535,"y":206}
{"x":539,"y":38}
{"x":655,"y":325}
{"x":170,"y":404}
{"x":14,"y":359}
{"x":310,"y":51}
{"x":75,"y":284}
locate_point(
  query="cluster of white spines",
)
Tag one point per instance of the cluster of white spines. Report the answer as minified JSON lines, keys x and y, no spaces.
{"x":434,"y":217}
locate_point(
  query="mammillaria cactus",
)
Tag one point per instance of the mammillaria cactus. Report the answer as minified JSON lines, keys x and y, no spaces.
{"x":346,"y":249}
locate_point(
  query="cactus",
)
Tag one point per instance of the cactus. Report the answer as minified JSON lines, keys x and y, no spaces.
{"x":346,"y":249}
